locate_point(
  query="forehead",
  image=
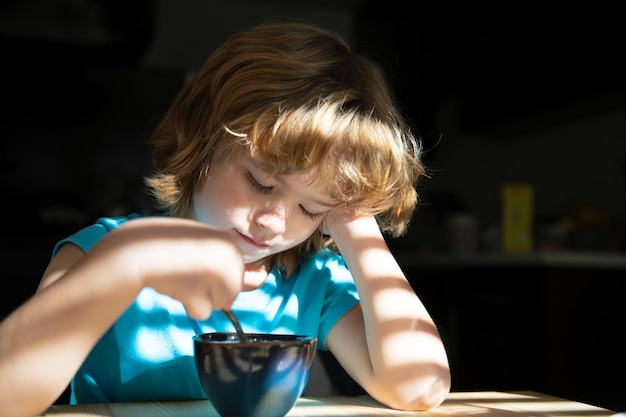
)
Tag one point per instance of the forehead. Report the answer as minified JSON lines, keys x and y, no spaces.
{"x":309,"y":178}
{"x":310,"y":174}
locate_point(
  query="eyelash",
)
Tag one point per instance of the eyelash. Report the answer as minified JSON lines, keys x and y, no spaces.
{"x":257,"y":185}
{"x":266,"y":190}
{"x":312,"y":216}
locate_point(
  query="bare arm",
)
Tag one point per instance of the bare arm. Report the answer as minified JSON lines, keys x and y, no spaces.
{"x":44,"y":341}
{"x":389,"y":344}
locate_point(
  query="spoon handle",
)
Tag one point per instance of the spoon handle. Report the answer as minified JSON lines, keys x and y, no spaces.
{"x":240,"y":334}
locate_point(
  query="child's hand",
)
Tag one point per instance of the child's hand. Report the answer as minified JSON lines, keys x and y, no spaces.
{"x":338,"y":218}
{"x":191,"y":262}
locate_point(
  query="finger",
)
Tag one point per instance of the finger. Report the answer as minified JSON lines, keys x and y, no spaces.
{"x":198,"y":308}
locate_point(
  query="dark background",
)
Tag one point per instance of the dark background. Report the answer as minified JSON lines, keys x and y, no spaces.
{"x":498,"y":96}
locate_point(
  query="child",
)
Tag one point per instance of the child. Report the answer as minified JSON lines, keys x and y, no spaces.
{"x":278,"y":168}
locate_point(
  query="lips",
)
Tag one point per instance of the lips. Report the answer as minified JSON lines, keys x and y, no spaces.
{"x":252,"y":241}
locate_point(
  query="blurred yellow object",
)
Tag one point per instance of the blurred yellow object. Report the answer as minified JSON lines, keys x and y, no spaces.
{"x":517,"y":217}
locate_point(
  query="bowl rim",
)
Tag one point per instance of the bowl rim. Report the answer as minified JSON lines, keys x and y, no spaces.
{"x":299,"y":339}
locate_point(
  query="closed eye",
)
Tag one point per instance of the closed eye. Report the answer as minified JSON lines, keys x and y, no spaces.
{"x":312,"y":216}
{"x":257,"y":185}
{"x":266,"y":190}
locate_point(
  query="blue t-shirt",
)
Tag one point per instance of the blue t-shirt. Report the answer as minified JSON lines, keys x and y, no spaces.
{"x":147,"y":355}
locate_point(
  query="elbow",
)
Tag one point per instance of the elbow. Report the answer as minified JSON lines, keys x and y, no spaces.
{"x":428,"y":393}
{"x":430,"y":397}
{"x":427,"y":399}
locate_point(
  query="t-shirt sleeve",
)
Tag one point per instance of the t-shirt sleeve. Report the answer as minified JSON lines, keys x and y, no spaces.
{"x":87,"y":237}
{"x":341,"y":296}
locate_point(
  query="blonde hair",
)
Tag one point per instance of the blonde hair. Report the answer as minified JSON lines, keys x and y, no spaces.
{"x":296,"y":96}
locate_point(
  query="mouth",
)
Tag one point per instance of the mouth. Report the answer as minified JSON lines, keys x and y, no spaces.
{"x":252,"y":241}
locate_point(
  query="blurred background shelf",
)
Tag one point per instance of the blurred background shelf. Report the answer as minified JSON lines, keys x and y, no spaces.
{"x":594,"y":260}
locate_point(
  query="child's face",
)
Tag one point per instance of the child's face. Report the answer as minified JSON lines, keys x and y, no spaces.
{"x":266,"y":214}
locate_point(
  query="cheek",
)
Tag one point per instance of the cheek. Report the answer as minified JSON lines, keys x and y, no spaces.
{"x":212,"y":202}
{"x":206,"y":208}
{"x":300,"y":230}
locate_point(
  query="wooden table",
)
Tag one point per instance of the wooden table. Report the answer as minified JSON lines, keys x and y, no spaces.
{"x":474,"y":404}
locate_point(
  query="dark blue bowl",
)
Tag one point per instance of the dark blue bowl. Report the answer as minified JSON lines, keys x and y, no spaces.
{"x":261,"y":378}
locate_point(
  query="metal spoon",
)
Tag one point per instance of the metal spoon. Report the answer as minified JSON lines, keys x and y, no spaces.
{"x":240,"y":334}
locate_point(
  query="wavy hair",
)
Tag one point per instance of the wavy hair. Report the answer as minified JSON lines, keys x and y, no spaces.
{"x":296,"y":96}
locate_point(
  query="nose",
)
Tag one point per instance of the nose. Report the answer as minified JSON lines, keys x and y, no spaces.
{"x":272,"y":220}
